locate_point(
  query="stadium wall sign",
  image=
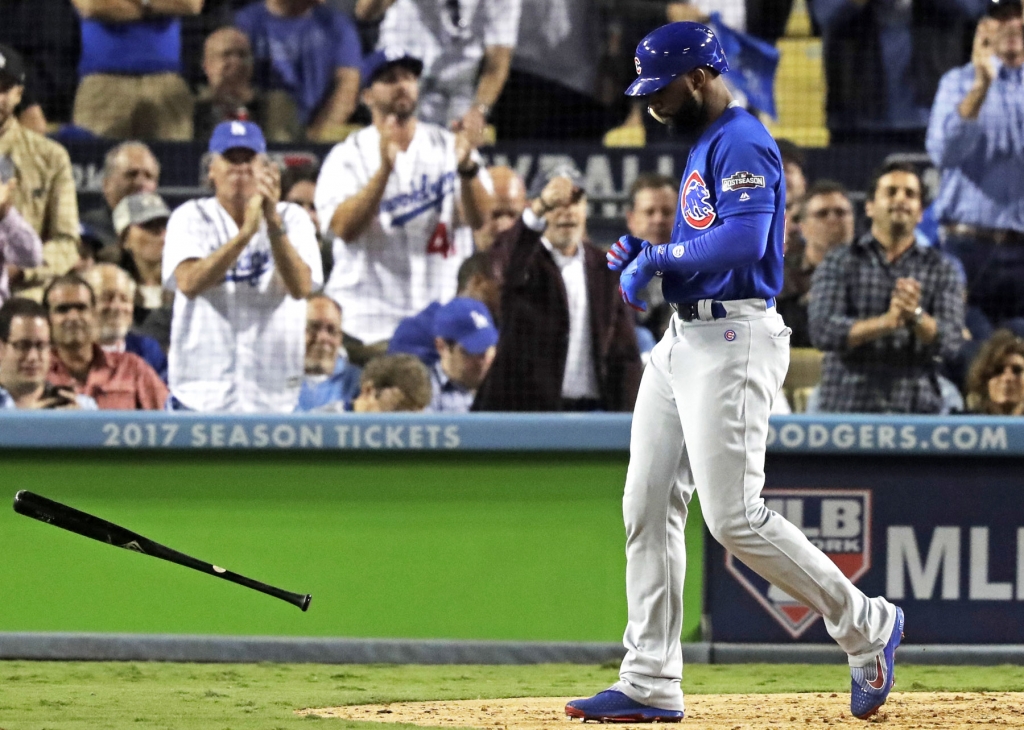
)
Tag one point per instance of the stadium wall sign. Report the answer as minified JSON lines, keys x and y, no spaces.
{"x":940,"y":535}
{"x":825,"y":435}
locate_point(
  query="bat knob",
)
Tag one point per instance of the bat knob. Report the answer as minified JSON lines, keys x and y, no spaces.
{"x":305,"y":601}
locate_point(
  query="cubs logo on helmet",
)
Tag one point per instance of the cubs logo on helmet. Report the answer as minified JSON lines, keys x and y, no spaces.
{"x":636,"y":62}
{"x":837,"y":521}
{"x":694,"y":200}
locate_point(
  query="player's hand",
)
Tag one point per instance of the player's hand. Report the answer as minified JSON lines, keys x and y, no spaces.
{"x":983,"y":51}
{"x":7,"y":197}
{"x":623,"y":251}
{"x":253,"y":216}
{"x":632,"y":281}
{"x":268,"y":186}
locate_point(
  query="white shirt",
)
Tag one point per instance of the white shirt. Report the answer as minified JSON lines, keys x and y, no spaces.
{"x":559,"y":40}
{"x":239,"y":346}
{"x":410,"y":254}
{"x":580,"y":380}
{"x":451,"y":53}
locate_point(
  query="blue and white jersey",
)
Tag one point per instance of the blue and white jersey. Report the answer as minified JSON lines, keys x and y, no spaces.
{"x":239,"y":346}
{"x":410,"y":254}
{"x":733,"y":169}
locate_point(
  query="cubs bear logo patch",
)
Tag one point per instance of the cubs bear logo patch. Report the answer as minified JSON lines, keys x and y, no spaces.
{"x":695,"y":202}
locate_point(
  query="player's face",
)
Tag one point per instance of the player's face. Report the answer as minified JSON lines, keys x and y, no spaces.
{"x":304,"y":193}
{"x":653,"y":214}
{"x":463,"y":368}
{"x":114,"y":308}
{"x":896,"y":205}
{"x":234,"y":173}
{"x":323,"y":336}
{"x":72,"y":315}
{"x":680,"y":104}
{"x":1006,"y":387}
{"x":25,"y":357}
{"x":395,"y":91}
{"x":567,"y":224}
{"x":135,"y":170}
{"x":827,"y":221}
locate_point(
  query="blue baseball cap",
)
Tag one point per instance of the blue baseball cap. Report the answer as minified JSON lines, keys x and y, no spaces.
{"x":672,"y":50}
{"x":467,"y":322}
{"x":375,"y":63}
{"x":231,"y":134}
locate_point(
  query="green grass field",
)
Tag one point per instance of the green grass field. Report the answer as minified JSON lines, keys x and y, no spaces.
{"x":117,"y":695}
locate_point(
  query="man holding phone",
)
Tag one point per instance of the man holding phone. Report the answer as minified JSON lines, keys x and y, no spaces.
{"x":976,"y":138}
{"x":25,"y":361}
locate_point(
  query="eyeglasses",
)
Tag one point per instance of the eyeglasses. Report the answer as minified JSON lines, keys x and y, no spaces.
{"x":75,"y":307}
{"x":826,"y":212}
{"x":23,"y":347}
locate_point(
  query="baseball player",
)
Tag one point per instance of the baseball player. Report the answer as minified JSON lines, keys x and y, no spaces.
{"x":401,"y":198}
{"x":701,"y":416}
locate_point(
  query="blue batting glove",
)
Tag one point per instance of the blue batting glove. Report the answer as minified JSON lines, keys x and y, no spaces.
{"x":633,"y":279}
{"x":624,"y":251}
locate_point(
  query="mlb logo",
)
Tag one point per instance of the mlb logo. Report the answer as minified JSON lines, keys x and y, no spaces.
{"x":837,"y":521}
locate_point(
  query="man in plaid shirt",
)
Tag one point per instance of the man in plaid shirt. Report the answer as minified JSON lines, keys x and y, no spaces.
{"x":885,"y":310}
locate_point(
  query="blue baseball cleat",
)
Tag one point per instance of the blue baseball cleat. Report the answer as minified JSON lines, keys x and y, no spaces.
{"x":870,"y":685}
{"x":613,"y":706}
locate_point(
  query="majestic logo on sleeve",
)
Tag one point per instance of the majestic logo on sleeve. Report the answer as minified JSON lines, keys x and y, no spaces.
{"x":742,"y":181}
{"x":695,"y":201}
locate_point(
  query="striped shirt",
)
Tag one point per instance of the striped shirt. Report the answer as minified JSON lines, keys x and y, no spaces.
{"x":982,"y":160}
{"x":896,"y":373}
{"x":449,"y":396}
{"x":45,"y":198}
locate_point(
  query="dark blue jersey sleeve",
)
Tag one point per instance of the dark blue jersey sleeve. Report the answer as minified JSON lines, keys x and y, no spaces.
{"x":740,"y":241}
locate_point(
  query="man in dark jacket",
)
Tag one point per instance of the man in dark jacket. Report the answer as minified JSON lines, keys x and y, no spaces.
{"x":567,"y":341}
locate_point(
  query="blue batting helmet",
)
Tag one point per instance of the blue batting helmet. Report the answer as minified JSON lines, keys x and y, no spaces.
{"x":672,"y":50}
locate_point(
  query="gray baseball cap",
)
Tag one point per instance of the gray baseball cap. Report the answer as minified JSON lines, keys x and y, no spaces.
{"x":134,"y":210}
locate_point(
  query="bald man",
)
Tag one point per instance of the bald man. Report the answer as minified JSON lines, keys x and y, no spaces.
{"x":115,"y":306}
{"x":230,"y":94}
{"x":507,"y":205}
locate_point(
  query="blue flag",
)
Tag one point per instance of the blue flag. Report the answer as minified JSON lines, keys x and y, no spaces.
{"x":752,"y":64}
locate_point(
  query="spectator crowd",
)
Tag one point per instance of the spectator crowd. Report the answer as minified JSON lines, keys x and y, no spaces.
{"x":405,"y":275}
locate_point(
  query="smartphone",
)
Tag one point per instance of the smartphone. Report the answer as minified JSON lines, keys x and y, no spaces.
{"x":63,"y":396}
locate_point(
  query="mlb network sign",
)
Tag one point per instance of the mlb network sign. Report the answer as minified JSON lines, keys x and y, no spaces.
{"x":958,"y":576}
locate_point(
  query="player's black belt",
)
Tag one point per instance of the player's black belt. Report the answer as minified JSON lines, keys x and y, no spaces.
{"x":690,"y":312}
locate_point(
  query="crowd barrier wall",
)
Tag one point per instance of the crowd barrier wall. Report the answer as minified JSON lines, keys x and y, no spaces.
{"x":489,"y":527}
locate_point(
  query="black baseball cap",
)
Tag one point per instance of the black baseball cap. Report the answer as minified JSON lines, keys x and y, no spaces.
{"x":1003,"y":8}
{"x":11,"y":65}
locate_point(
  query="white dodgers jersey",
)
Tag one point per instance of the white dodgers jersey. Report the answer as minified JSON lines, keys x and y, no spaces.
{"x":410,"y":254}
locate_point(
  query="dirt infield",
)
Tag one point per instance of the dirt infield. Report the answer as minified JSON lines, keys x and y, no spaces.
{"x":713,"y":712}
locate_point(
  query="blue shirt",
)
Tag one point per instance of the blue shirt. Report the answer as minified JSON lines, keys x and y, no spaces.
{"x":142,"y":47}
{"x":341,"y":386}
{"x":149,"y":350}
{"x":300,"y":55}
{"x":733,"y":169}
{"x":982,"y":160}
{"x":448,"y":396}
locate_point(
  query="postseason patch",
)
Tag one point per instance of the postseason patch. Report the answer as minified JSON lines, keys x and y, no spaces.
{"x":742,"y":181}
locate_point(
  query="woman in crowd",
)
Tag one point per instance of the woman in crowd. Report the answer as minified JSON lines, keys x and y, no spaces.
{"x":995,"y":384}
